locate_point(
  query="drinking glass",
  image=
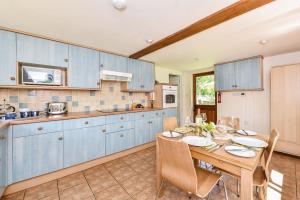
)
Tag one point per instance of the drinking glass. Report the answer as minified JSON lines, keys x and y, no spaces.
{"x":187,"y":121}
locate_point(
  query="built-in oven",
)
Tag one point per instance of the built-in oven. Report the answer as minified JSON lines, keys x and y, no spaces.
{"x":169,"y":96}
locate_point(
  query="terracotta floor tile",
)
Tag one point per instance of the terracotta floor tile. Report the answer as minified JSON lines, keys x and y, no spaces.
{"x":81,"y":191}
{"x":100,"y":169}
{"x":144,"y":154}
{"x":298,"y":188}
{"x":298,"y":170}
{"x":113,"y":193}
{"x":135,"y":185}
{"x":42,"y":191}
{"x":141,"y":166}
{"x":15,"y":196}
{"x":70,"y":181}
{"x":147,"y":194}
{"x":100,"y":182}
{"x":132,"y":158}
{"x":114,"y":164}
{"x":51,"y":197}
{"x":122,"y":173}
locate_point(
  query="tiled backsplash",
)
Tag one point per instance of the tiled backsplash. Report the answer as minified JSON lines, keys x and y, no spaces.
{"x":110,"y":97}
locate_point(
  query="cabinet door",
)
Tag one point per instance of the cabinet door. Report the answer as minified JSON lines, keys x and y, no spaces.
{"x":135,"y":69}
{"x":155,"y":127}
{"x":36,"y":155}
{"x":81,"y":145}
{"x":41,"y":51}
{"x":248,"y":74}
{"x":3,"y":159}
{"x":84,"y":69}
{"x":142,"y":127}
{"x":113,"y":62}
{"x":7,"y":58}
{"x":119,"y":141}
{"x":147,"y":82}
{"x":225,"y":77}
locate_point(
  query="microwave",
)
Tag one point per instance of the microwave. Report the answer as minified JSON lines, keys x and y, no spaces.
{"x":41,"y":76}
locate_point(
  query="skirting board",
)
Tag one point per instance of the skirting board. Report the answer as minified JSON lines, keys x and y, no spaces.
{"x":19,"y":186}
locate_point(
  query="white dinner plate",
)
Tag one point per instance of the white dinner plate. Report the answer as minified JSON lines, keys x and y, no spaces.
{"x":250,"y":142}
{"x":197,"y":141}
{"x":246,"y":132}
{"x":240,"y":151}
{"x":173,"y":135}
{"x":224,"y":127}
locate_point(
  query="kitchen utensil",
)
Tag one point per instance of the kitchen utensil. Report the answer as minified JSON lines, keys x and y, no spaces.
{"x":250,"y":142}
{"x":34,"y":113}
{"x":10,"y":115}
{"x":240,"y":151}
{"x":246,"y":132}
{"x":197,"y":141}
{"x":57,"y":108}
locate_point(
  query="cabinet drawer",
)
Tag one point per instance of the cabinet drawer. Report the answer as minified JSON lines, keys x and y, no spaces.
{"x":83,"y":122}
{"x":36,"y":128}
{"x":154,"y":114}
{"x":119,"y":126}
{"x":119,"y":141}
{"x":110,"y":119}
{"x":141,"y":115}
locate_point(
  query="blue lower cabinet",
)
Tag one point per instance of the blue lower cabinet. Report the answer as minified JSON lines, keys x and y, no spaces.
{"x":141,"y":131}
{"x":155,"y":127}
{"x":3,"y":160}
{"x":81,"y":145}
{"x":119,"y":141}
{"x":169,"y":112}
{"x":36,"y":155}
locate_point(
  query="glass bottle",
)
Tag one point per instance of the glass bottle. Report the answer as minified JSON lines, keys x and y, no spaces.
{"x":198,"y":119}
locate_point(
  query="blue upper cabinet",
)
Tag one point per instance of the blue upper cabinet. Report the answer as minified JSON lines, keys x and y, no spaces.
{"x":243,"y":74}
{"x":7,"y":58}
{"x":41,"y":51}
{"x":142,"y":76}
{"x":84,"y":71}
{"x":113,"y":62}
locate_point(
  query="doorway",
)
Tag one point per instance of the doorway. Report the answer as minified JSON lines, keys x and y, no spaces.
{"x":204,"y":95}
{"x":175,"y":79}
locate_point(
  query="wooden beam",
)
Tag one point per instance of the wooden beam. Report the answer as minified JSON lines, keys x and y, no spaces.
{"x":234,"y":10}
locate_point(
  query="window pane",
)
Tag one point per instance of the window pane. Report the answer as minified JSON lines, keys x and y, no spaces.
{"x":205,"y":90}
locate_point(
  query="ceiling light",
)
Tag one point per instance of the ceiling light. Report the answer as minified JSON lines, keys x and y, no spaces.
{"x":119,"y":4}
{"x":149,"y":41}
{"x":263,"y":42}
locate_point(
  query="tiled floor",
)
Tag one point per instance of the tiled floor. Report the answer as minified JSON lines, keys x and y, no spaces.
{"x":133,"y":177}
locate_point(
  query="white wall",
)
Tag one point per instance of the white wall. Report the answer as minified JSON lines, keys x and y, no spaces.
{"x":254,"y":107}
{"x":162,"y":74}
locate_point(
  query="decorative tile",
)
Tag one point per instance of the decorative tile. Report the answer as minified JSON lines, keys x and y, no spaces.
{"x":102,"y":102}
{"x":123,"y":97}
{"x":115,"y":107}
{"x":113,"y":193}
{"x":130,"y":94}
{"x":81,"y":191}
{"x":70,"y":181}
{"x":92,"y":93}
{"x":127,"y":107}
{"x":143,"y":101}
{"x":23,"y":105}
{"x":42,"y":191}
{"x":69,"y":98}
{"x":31,"y":93}
{"x":111,"y":88}
{"x":87,"y":109}
{"x":55,"y":98}
{"x":75,"y":103}
{"x":13,"y":99}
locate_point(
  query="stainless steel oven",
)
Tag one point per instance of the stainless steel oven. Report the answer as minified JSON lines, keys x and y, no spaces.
{"x":169,"y":96}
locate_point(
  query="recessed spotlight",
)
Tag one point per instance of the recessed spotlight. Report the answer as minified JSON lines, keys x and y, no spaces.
{"x":149,"y":41}
{"x":119,"y":4}
{"x":263,"y":42}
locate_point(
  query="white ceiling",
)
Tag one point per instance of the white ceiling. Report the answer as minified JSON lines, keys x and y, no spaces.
{"x":96,"y":23}
{"x":278,"y":22}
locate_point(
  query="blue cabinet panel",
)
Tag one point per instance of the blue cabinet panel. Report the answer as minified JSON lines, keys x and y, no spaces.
{"x":84,"y":71}
{"x":155,"y":127}
{"x":225,"y":77}
{"x":113,"y":62}
{"x":110,"y":119}
{"x":36,"y":155}
{"x":3,"y":159}
{"x":119,"y":126}
{"x":41,"y":51}
{"x":81,"y":145}
{"x":7,"y":58}
{"x":83,"y":122}
{"x":142,"y":128}
{"x":119,"y":141}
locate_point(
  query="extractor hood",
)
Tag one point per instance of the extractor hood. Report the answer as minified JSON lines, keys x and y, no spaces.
{"x":107,"y":75}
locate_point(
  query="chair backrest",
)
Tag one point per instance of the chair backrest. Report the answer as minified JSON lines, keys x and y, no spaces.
{"x":170,"y":123}
{"x":227,"y":121}
{"x":270,"y":149}
{"x":177,"y":165}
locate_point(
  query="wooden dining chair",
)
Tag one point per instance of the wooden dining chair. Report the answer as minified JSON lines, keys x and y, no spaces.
{"x":178,"y":168}
{"x":227,"y":121}
{"x":170,"y":123}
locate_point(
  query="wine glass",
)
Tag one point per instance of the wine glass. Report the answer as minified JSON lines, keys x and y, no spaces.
{"x":232,"y":122}
{"x":187,"y":121}
{"x":204,"y":117}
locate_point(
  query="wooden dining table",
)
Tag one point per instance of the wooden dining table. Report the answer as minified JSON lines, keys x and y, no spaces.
{"x":243,"y":168}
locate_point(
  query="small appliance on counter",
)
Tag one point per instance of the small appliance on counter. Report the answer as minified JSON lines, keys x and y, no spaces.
{"x":57,"y":108}
{"x":7,"y":111}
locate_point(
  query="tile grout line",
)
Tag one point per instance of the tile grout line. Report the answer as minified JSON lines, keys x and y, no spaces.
{"x":89,"y":185}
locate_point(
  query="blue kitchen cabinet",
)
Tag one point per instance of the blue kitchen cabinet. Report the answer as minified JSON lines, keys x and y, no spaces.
{"x":155,"y":127}
{"x":136,"y":71}
{"x":36,"y":155}
{"x":84,"y":71}
{"x":225,"y":77}
{"x":169,"y":112}
{"x":84,"y":144}
{"x":41,"y":51}
{"x":113,"y":62}
{"x":3,"y":160}
{"x":119,"y":141}
{"x":141,"y":128}
{"x":7,"y":58}
{"x":147,"y":74}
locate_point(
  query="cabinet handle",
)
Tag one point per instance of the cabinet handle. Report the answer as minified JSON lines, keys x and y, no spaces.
{"x":122,"y":135}
{"x":121,"y":118}
{"x":143,"y":115}
{"x":101,"y":65}
{"x":66,"y":60}
{"x":2,"y":137}
{"x":60,"y":138}
{"x":233,"y":86}
{"x":103,"y":130}
{"x":86,"y":122}
{"x":98,"y":83}
{"x":142,"y":86}
{"x":121,"y":126}
{"x":13,"y":78}
{"x":40,"y":128}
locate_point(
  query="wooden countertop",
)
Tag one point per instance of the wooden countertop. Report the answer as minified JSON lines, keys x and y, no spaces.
{"x":69,"y":115}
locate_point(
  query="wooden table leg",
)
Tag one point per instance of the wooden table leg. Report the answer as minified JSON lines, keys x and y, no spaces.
{"x":158,"y":168}
{"x":246,"y":184}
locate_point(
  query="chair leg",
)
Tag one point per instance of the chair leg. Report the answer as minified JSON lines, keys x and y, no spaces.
{"x":225,"y":190}
{"x":238,"y":188}
{"x":160,"y":188}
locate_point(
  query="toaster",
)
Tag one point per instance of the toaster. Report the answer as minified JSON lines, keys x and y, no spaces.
{"x":57,"y":108}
